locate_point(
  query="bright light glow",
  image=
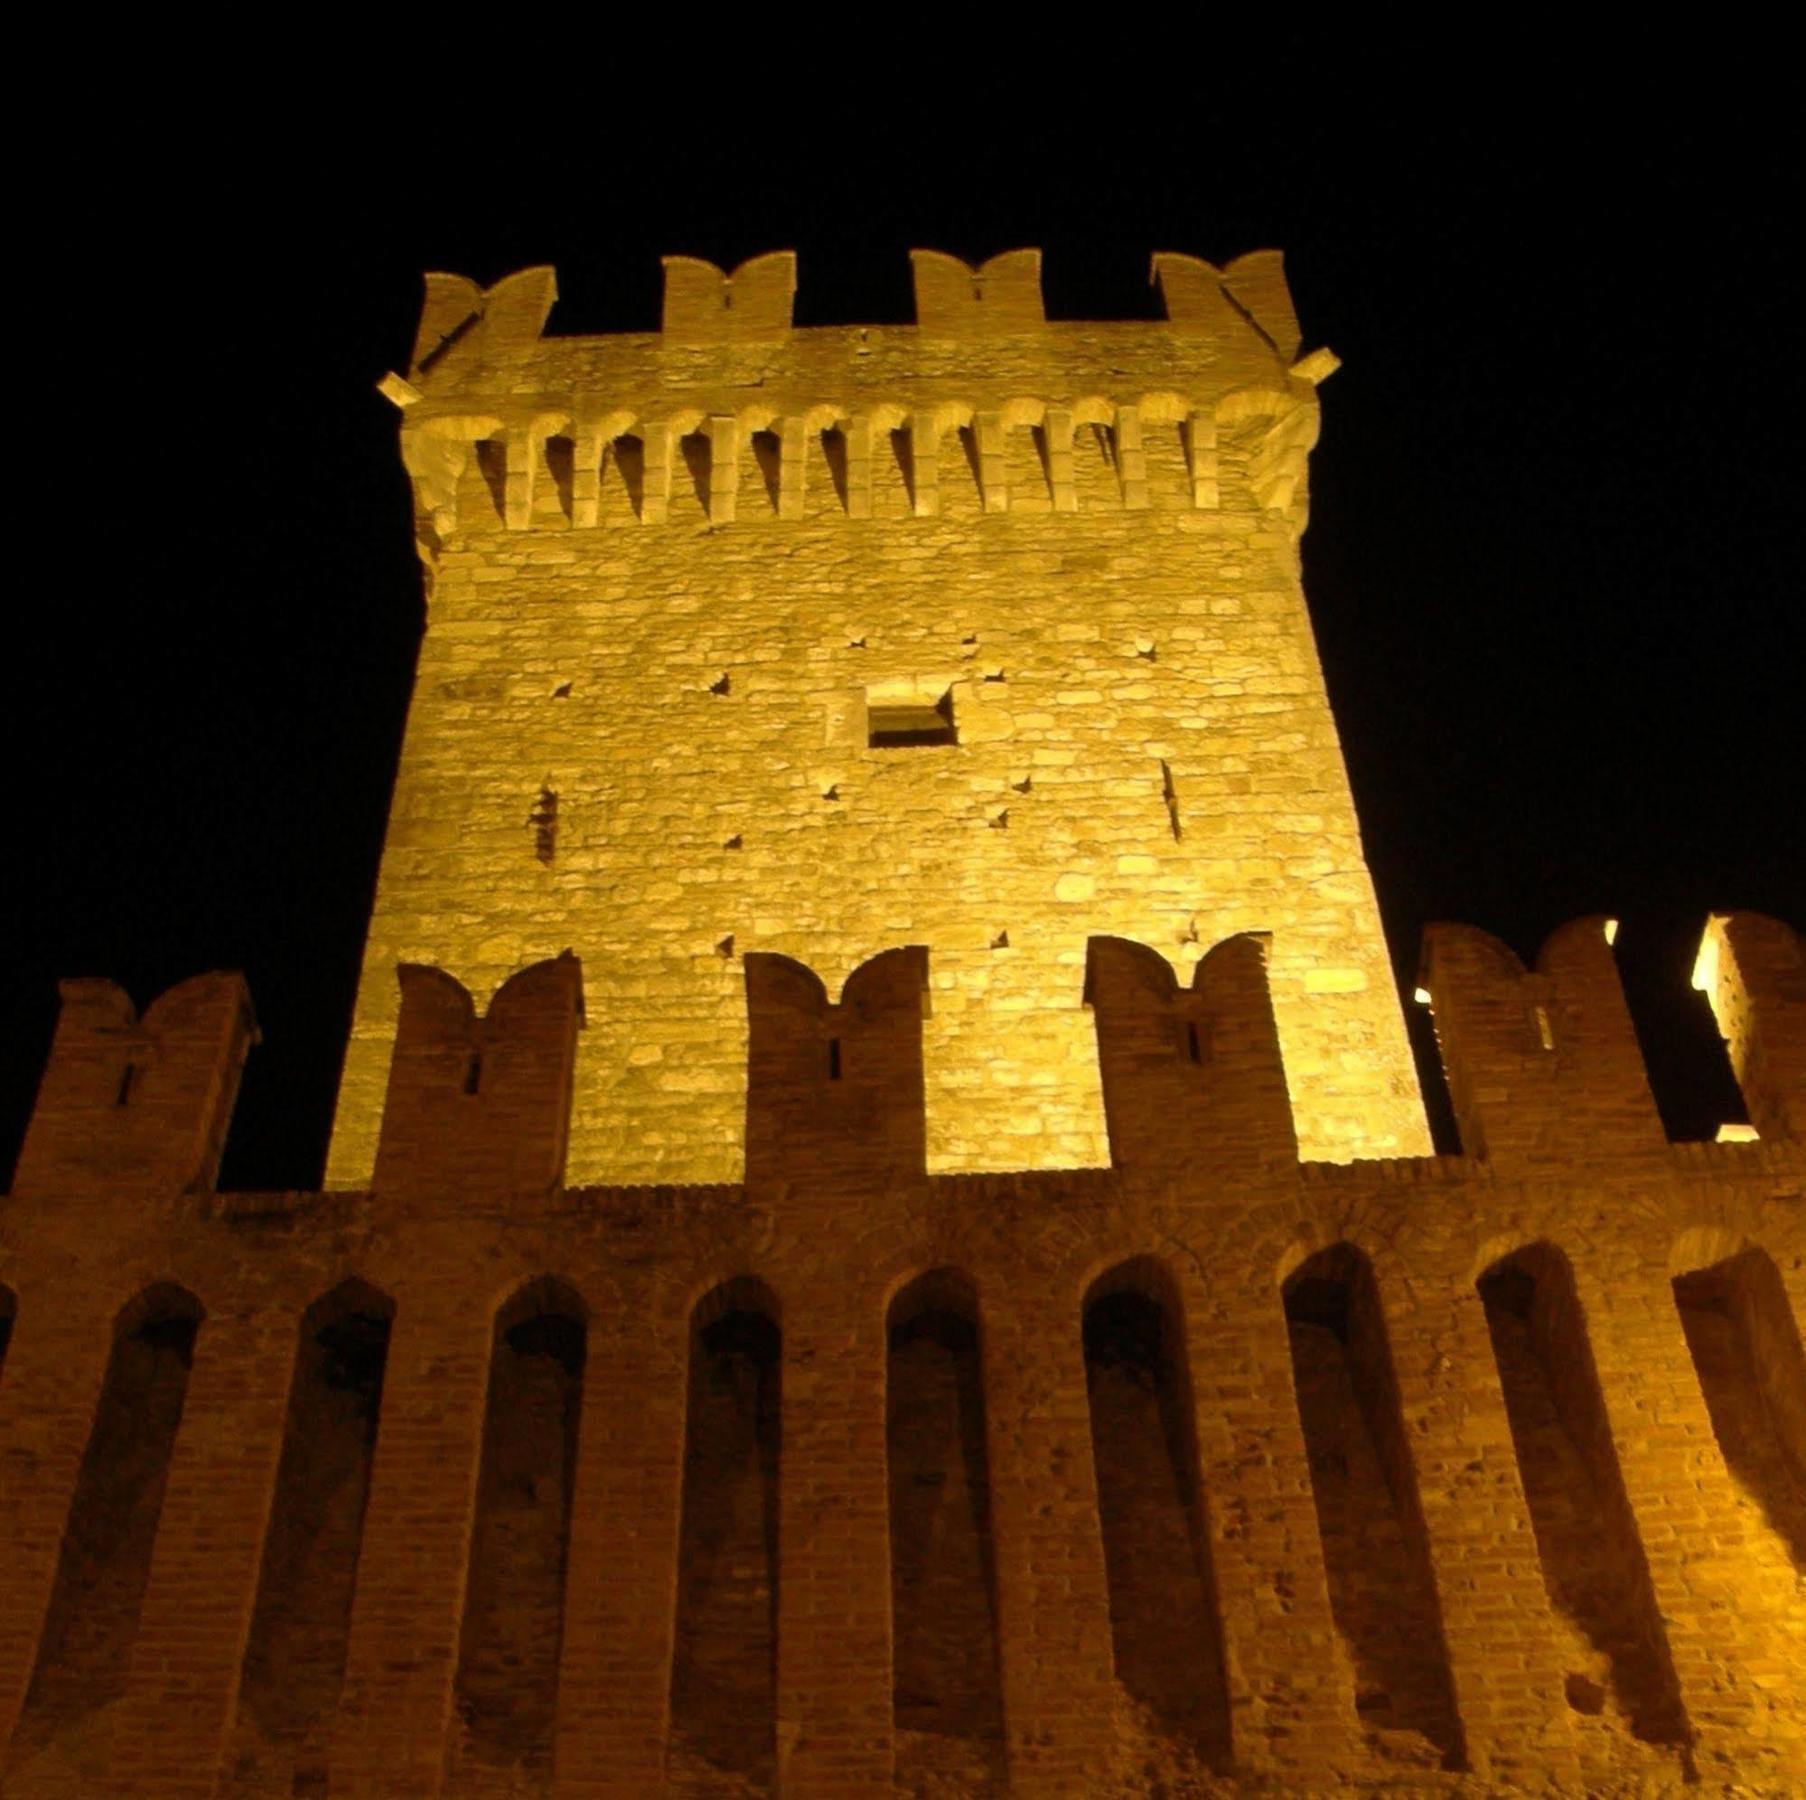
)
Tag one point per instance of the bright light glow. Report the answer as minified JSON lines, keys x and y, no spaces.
{"x":1738,"y":1134}
{"x":1705,"y":965}
{"x":1611,"y":931}
{"x":1422,"y":996}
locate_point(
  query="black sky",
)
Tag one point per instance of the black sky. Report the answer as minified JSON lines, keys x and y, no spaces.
{"x":1550,"y":560}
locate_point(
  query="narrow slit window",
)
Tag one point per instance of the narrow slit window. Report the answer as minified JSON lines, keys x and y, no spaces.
{"x":910,"y":724}
{"x":833,"y":1059}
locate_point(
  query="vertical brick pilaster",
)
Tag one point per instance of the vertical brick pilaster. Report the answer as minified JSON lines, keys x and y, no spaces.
{"x":834,"y":1662}
{"x":54,"y":1369}
{"x":1053,"y":1602}
{"x":390,"y":1739}
{"x":173,"y":1722}
{"x":614,"y":1678}
{"x":1291,"y":1700}
{"x":1503,"y":1655}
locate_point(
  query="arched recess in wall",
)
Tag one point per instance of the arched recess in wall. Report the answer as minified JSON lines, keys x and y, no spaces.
{"x":507,"y":1682}
{"x":9,"y":1310}
{"x":1165,"y":1622}
{"x":294,"y":1661}
{"x":1376,"y":1554}
{"x":85,"y":1649}
{"x":724,"y":1664}
{"x":946,"y":1690}
{"x":1163,"y":450}
{"x":1096,"y":477}
{"x":1027,"y":476}
{"x":893,"y":463}
{"x":1746,"y":1352}
{"x":1618,"y":1669}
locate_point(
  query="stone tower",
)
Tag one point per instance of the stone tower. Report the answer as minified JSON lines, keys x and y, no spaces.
{"x":984,"y":633}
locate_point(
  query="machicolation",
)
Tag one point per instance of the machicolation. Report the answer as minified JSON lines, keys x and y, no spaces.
{"x":880,"y":1235}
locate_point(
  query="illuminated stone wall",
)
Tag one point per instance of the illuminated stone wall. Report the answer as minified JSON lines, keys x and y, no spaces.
{"x":676,"y":580}
{"x":1209,"y":1471}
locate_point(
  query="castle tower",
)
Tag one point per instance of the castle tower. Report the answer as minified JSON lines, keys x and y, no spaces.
{"x":984,"y":634}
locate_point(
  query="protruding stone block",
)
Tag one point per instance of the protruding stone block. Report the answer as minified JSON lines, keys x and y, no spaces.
{"x":138,"y":1103}
{"x":1191,"y":1077}
{"x":993,"y":299}
{"x":835,"y":1091}
{"x":1544,"y":1063}
{"x":1753,"y":971}
{"x":481,"y":1105}
{"x":706,"y":305}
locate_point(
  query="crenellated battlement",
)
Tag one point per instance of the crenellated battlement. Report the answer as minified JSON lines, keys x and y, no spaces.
{"x":984,"y":402}
{"x":1542,"y":1064}
{"x":1344,"y":1372}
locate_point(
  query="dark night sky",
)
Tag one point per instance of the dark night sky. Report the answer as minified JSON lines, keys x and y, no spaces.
{"x":1550,"y":560}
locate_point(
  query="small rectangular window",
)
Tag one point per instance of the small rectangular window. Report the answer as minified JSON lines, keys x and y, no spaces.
{"x":910,"y":724}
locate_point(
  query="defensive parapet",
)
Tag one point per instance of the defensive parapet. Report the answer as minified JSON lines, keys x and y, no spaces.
{"x":481,"y":1105}
{"x":132,"y":1102}
{"x":1192,"y":1077}
{"x":834,"y":1090}
{"x":1539,"y":1064}
{"x":850,"y":422}
{"x":855,"y":1480}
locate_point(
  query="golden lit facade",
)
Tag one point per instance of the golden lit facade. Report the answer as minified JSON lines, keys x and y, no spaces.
{"x":984,"y":634}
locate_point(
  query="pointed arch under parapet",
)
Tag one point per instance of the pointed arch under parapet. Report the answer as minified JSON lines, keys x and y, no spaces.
{"x":835,"y":1090}
{"x":1752,"y":970}
{"x":480,"y":1104}
{"x":506,"y":1685}
{"x":1746,"y":1349}
{"x":994,"y":298}
{"x":1165,"y":1615}
{"x":705,"y":304}
{"x":84,"y":1650}
{"x":293,"y":1669}
{"x":1538,"y":1063}
{"x":1588,"y":1541}
{"x":723,"y":1677}
{"x":946,"y":1671}
{"x":138,"y":1102}
{"x":1193,"y":1078}
{"x":1364,"y":1485}
{"x":460,"y":322}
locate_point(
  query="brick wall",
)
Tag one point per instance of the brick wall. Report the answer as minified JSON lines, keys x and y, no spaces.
{"x":1481,"y":1472}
